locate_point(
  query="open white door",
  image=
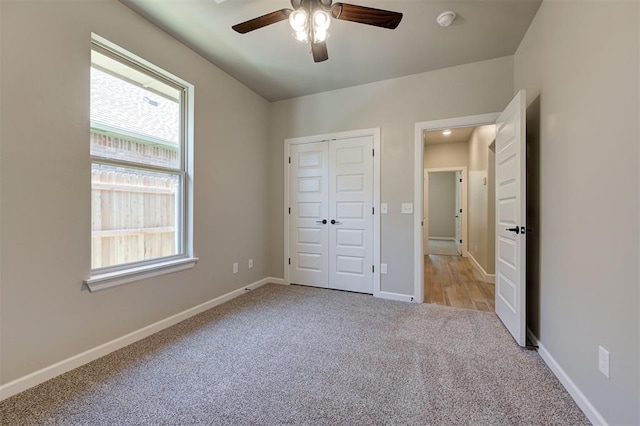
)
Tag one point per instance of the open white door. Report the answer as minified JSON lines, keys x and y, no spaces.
{"x":510,"y":288}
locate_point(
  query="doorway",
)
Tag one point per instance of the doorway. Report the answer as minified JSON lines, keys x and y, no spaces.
{"x":422,"y":161}
{"x":445,"y":211}
{"x":510,"y":209}
{"x":458,"y":217}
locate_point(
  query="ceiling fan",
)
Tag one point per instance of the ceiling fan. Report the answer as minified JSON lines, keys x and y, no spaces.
{"x":310,"y":20}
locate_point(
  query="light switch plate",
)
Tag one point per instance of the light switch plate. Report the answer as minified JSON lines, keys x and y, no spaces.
{"x":407,"y":208}
{"x":383,"y":268}
{"x":383,"y":208}
{"x":603,"y":361}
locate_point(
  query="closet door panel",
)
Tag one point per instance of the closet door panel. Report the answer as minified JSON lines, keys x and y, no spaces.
{"x":351,"y":215}
{"x":309,"y":194}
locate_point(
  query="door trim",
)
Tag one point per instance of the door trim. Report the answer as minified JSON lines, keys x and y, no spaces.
{"x":418,"y":190}
{"x":465,"y":203}
{"x":373,"y":132}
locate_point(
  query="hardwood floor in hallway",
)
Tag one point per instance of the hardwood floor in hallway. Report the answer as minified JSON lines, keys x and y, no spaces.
{"x":453,"y":281}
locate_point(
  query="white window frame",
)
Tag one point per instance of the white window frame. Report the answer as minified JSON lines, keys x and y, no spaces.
{"x":117,"y":275}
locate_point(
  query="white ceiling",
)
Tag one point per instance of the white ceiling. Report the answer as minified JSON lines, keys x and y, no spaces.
{"x":276,"y":66}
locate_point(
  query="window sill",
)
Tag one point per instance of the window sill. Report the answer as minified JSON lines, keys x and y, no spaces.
{"x":114,"y":279}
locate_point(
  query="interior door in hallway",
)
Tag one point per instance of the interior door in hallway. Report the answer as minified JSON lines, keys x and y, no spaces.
{"x":351,"y":214}
{"x":510,"y":156}
{"x":458,"y":213}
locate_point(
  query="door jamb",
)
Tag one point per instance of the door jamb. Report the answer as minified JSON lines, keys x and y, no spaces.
{"x":464,"y":203}
{"x":418,"y":190}
{"x":376,"y":134}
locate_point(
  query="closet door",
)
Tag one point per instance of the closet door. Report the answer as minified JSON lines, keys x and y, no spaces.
{"x":351,"y":214}
{"x":309,"y":228}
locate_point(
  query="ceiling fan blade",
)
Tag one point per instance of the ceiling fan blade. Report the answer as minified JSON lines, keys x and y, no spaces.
{"x":319,"y":51}
{"x":262,"y":21}
{"x":366,"y":15}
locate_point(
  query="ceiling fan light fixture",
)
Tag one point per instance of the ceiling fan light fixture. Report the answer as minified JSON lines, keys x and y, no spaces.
{"x":311,"y":19}
{"x":298,"y":19}
{"x":320,"y":35}
{"x":321,"y":20}
{"x":301,"y":36}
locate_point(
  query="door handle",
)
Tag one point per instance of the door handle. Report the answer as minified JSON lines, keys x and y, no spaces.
{"x":334,"y":222}
{"x":322,"y":222}
{"x":515,"y":229}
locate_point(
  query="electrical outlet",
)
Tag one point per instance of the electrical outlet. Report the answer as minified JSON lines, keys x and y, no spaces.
{"x":235,"y":267}
{"x":384,"y":208}
{"x":250,"y":263}
{"x":383,"y":268}
{"x":603,"y":361}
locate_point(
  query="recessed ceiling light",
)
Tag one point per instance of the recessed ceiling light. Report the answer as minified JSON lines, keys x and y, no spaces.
{"x":446,"y":132}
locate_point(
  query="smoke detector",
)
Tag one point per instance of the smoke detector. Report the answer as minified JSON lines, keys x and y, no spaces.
{"x":446,"y":18}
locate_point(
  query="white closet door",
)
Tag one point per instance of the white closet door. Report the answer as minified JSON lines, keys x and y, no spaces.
{"x":351,"y":215}
{"x":309,"y":194}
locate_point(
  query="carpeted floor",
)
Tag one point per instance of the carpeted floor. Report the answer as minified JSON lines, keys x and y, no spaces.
{"x":442,"y":247}
{"x":296,"y":355}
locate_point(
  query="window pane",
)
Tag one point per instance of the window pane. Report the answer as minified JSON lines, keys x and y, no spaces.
{"x":135,"y":107}
{"x":134,"y":215}
{"x":117,"y":147}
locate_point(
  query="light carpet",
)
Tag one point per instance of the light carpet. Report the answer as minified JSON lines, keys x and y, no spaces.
{"x":442,"y":247}
{"x":297,"y":355}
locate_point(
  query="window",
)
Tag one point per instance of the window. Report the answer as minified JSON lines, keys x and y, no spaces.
{"x":140,"y":168}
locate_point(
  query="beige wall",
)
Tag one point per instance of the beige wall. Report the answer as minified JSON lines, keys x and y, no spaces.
{"x":446,"y":155}
{"x":45,"y":204}
{"x":394,"y":106}
{"x":442,"y":205}
{"x":581,"y":60}
{"x":480,"y":238}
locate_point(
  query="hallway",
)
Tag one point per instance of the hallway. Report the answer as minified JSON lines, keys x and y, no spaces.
{"x":453,"y":281}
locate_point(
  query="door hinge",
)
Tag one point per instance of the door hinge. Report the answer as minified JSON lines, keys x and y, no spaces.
{"x":460,"y":241}
{"x":460,"y":178}
{"x":289,"y":210}
{"x":289,"y":160}
{"x":289,"y":261}
{"x":373,"y":210}
{"x":460,"y":210}
{"x":422,"y":223}
{"x":373,"y":268}
{"x":373,"y":152}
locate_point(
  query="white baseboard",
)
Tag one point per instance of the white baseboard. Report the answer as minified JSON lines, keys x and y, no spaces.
{"x":442,"y":238}
{"x":585,"y":405}
{"x":487,"y":278}
{"x":394,"y":296}
{"x":23,"y":383}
